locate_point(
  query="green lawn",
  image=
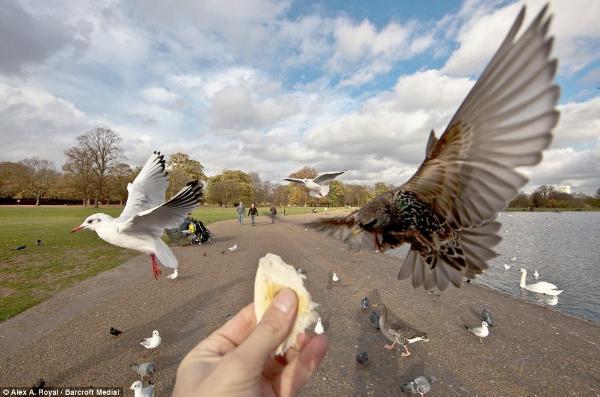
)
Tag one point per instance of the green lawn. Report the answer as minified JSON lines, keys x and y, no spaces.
{"x":34,"y":274}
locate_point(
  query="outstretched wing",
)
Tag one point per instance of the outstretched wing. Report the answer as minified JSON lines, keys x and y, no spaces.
{"x":169,"y":214}
{"x":505,"y":122}
{"x":148,"y":188}
{"x":294,"y":180}
{"x":327,"y":177}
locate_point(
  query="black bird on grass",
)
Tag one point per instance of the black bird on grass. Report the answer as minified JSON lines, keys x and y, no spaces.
{"x":446,"y":211}
{"x":362,"y":358}
{"x":115,"y":332}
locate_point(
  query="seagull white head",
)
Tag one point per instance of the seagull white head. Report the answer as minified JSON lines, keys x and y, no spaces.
{"x":484,"y":324}
{"x":522,"y":270}
{"x":92,"y":222}
{"x":154,"y":333}
{"x":137,"y":385}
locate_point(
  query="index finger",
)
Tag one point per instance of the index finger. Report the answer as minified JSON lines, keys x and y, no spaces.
{"x":233,"y":332}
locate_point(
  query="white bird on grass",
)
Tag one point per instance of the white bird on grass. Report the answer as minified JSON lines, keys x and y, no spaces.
{"x":541,"y":287}
{"x":140,"y":391}
{"x":145,"y":216}
{"x":153,"y":342}
{"x":319,"y":186}
{"x":536,"y":275}
{"x":481,"y":332}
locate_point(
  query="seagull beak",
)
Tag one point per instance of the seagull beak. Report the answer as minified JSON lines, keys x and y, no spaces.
{"x":78,"y":228}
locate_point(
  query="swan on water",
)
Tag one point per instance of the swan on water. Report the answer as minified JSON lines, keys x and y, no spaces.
{"x":541,"y":287}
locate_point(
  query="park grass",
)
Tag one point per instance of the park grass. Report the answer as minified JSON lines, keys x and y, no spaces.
{"x":30,"y":276}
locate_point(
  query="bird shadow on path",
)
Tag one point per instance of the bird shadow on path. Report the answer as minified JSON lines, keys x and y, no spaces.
{"x":175,"y":326}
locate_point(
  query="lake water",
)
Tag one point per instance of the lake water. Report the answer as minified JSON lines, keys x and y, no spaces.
{"x":565,"y":249}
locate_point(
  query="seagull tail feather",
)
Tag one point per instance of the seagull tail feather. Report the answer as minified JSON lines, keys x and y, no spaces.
{"x":165,"y":255}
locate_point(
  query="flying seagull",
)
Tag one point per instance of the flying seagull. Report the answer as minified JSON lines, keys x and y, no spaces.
{"x":146,"y":215}
{"x":446,"y":211}
{"x":319,"y":186}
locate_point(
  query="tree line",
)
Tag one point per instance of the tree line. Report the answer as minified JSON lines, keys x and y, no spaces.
{"x":95,"y":172}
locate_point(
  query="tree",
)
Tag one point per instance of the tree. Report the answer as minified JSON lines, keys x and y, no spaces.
{"x":337,"y":194}
{"x":120,"y":176}
{"x":39,"y":176}
{"x":230,"y":187}
{"x":521,"y":201}
{"x":79,"y":172}
{"x":103,"y":147}
{"x":183,"y":169}
{"x":380,"y":188}
{"x":598,"y":193}
{"x":12,"y":176}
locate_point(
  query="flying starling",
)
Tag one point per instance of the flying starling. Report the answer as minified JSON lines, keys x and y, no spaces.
{"x":446,"y":211}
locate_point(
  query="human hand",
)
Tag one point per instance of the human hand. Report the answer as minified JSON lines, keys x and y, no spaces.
{"x":236,"y":359}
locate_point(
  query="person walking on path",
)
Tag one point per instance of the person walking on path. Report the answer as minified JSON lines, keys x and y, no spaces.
{"x":240,"y":212}
{"x":252,"y":212}
{"x":273,"y":212}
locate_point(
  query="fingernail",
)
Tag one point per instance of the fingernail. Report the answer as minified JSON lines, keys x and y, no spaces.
{"x":285,"y":300}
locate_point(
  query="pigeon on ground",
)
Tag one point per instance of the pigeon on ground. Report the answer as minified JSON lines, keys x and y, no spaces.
{"x":319,"y":186}
{"x":20,"y":247}
{"x":115,"y":332}
{"x":487,"y":317}
{"x":143,"y":370}
{"x":481,"y":332}
{"x":319,"y":327}
{"x":364,"y":304}
{"x":233,"y":248}
{"x":374,"y":317}
{"x":153,"y":342}
{"x":39,"y":242}
{"x":362,"y":358}
{"x":399,"y":333}
{"x":447,"y":210}
{"x":421,"y":386}
{"x":37,"y":386}
{"x":145,"y":216}
{"x":140,"y":391}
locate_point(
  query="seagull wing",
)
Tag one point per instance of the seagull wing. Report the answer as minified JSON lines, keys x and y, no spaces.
{"x":327,"y":177}
{"x":505,"y":122}
{"x":294,"y":180}
{"x":148,"y":188}
{"x":169,"y":214}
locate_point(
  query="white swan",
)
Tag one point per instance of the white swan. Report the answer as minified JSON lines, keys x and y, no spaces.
{"x":541,"y":287}
{"x":506,"y":266}
{"x":549,"y":300}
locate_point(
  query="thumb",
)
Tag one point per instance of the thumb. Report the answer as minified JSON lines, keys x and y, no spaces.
{"x":272,"y":329}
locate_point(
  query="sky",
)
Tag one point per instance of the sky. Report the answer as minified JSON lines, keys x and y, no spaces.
{"x":270,"y":86}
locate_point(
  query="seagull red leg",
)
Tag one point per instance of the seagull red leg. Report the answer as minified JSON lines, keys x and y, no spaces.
{"x":155,"y":268}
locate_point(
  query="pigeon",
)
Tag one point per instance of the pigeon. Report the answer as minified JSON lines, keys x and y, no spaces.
{"x":153,"y":342}
{"x":145,"y":216}
{"x":115,"y":332}
{"x":447,"y":210}
{"x":140,"y":391}
{"x":319,"y":186}
{"x":319,"y":327}
{"x":364,"y":304}
{"x":399,"y":333}
{"x":487,"y":317}
{"x":20,"y":247}
{"x":536,"y":275}
{"x":421,"y":386}
{"x":362,"y":358}
{"x":233,"y":248}
{"x":37,"y":386}
{"x":143,"y":370}
{"x":173,"y":275}
{"x":481,"y":332}
{"x":39,"y":242}
{"x":374,"y":317}
{"x":335,"y":277}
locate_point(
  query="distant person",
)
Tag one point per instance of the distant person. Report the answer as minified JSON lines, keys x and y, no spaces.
{"x":185,"y":225}
{"x":252,"y":212}
{"x":273,"y":212}
{"x":240,"y":212}
{"x":283,"y":211}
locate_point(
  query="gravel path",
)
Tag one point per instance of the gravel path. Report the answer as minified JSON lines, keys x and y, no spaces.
{"x":531,"y":351}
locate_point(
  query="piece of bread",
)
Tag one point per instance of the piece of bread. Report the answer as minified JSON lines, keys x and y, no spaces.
{"x":274,"y":274}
